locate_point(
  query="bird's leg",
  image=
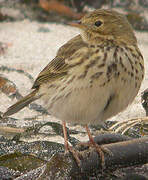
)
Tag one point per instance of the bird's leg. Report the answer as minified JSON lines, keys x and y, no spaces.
{"x":65,"y":137}
{"x":99,"y":149}
{"x":68,"y":148}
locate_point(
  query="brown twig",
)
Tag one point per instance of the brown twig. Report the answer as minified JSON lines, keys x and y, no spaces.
{"x":124,"y":154}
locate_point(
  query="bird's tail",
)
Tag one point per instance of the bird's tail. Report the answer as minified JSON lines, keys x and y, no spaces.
{"x":22,"y":103}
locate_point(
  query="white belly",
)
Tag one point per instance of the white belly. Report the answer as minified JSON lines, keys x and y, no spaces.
{"x":91,"y":105}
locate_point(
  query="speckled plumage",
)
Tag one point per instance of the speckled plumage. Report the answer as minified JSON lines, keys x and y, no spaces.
{"x":94,"y":76}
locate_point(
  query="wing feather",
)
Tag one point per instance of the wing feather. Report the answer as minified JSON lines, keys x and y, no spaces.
{"x":58,"y":67}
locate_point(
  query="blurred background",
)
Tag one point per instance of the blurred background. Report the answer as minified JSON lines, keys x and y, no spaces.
{"x":31,"y":32}
{"x":62,"y":11}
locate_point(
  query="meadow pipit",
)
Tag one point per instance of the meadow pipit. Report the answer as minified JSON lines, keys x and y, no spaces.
{"x":94,"y":76}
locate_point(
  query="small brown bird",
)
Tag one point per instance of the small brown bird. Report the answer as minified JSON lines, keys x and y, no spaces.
{"x":94,"y":76}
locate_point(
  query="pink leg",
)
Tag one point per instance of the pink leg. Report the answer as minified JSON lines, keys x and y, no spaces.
{"x":98,"y":148}
{"x":68,"y":148}
{"x":65,"y":137}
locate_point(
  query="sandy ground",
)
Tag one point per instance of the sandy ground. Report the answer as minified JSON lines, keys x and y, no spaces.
{"x":33,"y":49}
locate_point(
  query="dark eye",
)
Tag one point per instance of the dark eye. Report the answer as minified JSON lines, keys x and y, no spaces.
{"x":98,"y":23}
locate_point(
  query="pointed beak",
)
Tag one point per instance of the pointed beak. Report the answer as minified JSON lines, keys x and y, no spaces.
{"x":77,"y":24}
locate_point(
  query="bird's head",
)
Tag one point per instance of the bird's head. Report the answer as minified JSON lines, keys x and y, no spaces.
{"x":105,"y":24}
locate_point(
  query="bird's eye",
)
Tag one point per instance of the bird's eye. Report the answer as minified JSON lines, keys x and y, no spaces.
{"x":98,"y":23}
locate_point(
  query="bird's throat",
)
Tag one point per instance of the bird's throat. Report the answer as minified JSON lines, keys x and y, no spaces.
{"x":94,"y":38}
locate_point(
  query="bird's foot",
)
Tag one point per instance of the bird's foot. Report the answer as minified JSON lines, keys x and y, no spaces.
{"x":68,"y":148}
{"x":101,"y":151}
{"x":75,"y":154}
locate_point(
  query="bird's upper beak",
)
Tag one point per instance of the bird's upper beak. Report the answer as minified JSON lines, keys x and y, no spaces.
{"x":77,"y":24}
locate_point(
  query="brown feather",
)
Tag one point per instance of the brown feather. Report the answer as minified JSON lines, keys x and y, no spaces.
{"x":22,"y":103}
{"x":58,"y":68}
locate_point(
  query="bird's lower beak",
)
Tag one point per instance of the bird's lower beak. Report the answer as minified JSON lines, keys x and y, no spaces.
{"x":77,"y":24}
